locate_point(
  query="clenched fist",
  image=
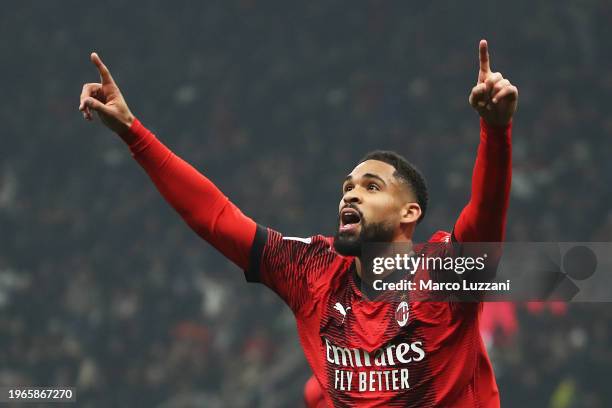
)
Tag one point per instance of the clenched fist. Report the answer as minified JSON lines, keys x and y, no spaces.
{"x":105,"y":98}
{"x":494,"y":97}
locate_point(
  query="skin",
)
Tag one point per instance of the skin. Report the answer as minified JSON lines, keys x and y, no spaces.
{"x":105,"y":98}
{"x":493,"y":97}
{"x":379,"y":196}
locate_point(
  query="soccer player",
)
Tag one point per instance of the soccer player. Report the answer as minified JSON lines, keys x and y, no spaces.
{"x":361,"y":351}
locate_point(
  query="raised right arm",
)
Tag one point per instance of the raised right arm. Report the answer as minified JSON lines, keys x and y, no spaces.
{"x":199,"y":202}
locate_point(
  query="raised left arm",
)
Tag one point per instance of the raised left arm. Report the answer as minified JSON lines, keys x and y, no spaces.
{"x":484,"y":217}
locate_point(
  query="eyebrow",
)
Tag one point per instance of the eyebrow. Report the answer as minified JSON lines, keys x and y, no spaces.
{"x":367,"y":175}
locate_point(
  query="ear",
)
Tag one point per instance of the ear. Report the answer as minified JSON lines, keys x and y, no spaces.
{"x":410,"y":213}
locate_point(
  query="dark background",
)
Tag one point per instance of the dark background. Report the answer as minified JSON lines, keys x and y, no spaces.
{"x":103,"y":287}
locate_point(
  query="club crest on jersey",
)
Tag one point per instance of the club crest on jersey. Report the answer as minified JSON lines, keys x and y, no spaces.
{"x":401,"y":314}
{"x":342,"y":311}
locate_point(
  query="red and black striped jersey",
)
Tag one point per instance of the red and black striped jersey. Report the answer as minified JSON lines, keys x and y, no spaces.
{"x":360,"y":353}
{"x":375,"y":353}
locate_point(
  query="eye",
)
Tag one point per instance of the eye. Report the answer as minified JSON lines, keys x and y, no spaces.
{"x":347,"y":187}
{"x":373,"y":187}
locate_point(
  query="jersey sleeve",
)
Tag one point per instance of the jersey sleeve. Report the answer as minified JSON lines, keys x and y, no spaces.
{"x":288,"y":265}
{"x":285,"y":264}
{"x":484,"y":217}
{"x":197,"y":200}
{"x":481,"y":226}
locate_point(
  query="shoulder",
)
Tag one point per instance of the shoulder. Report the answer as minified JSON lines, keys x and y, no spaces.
{"x":438,"y":244}
{"x":299,"y":249}
{"x":306,"y":243}
{"x":440,"y":236}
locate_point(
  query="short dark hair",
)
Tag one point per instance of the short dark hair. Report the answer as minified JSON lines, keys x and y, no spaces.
{"x":406,"y":172}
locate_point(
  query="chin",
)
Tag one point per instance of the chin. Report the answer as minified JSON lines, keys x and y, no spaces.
{"x":348,"y":245}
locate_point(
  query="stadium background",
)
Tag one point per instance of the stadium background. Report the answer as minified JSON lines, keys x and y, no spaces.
{"x":104,"y":288}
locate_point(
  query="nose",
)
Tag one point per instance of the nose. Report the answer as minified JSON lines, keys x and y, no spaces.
{"x":351,"y":197}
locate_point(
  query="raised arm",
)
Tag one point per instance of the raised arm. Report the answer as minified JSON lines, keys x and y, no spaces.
{"x":484,"y":217}
{"x":199,"y":202}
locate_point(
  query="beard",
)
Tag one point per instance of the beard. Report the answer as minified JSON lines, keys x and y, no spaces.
{"x":350,"y":245}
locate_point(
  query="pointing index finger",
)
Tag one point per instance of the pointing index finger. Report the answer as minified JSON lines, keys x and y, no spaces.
{"x":105,"y":75}
{"x":483,"y":49}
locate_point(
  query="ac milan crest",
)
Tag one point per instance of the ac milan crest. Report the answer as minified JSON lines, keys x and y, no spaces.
{"x":401,"y":314}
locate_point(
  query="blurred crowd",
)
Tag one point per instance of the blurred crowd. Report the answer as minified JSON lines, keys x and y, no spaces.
{"x":104,"y":288}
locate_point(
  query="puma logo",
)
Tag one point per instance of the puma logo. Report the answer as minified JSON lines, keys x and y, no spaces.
{"x":342,"y":311}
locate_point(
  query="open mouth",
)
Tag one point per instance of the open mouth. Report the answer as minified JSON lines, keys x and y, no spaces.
{"x":349,"y":219}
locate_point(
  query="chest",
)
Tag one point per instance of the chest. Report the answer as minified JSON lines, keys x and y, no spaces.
{"x":349,"y":319}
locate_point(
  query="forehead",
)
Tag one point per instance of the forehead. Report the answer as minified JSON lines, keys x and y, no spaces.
{"x":377,"y":167}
